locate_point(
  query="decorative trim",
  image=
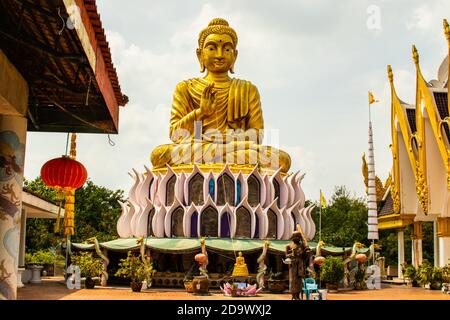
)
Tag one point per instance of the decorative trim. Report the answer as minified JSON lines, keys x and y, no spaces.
{"x":417,"y":233}
{"x":443,"y":226}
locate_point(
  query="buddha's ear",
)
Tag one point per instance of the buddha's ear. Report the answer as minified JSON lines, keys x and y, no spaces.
{"x":235,"y":57}
{"x":200,"y":59}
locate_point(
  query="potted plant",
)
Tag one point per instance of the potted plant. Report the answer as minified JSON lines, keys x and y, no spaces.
{"x":409,"y":274}
{"x":436,"y":278}
{"x":446,"y":278}
{"x":276,"y":282}
{"x":90,"y":267}
{"x":424,"y":274}
{"x":134,"y":268}
{"x":36,"y":261}
{"x":332,"y":272}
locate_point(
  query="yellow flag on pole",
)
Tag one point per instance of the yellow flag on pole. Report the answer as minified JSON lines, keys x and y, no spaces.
{"x":323,"y":202}
{"x":371,"y":98}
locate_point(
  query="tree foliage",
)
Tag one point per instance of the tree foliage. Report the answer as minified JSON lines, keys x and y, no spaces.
{"x":344,"y":220}
{"x":96,"y":213}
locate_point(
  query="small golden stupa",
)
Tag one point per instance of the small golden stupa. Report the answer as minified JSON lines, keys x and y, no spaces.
{"x":240,"y":267}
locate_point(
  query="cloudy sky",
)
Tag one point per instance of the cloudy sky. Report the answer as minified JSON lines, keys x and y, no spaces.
{"x":312,"y":61}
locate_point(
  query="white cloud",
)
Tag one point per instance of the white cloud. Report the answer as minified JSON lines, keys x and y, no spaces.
{"x":422,"y":18}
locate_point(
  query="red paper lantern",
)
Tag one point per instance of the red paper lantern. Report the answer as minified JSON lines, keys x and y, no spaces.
{"x":361,"y":257}
{"x":63,"y":173}
{"x":319,"y":260}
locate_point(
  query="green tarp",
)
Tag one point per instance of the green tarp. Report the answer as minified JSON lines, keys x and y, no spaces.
{"x":183,"y":245}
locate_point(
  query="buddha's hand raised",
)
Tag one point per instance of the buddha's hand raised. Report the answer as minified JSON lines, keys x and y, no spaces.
{"x":208,"y":100}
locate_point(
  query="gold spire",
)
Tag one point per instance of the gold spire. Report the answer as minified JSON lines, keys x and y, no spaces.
{"x":390,"y":74}
{"x":415,"y":55}
{"x":447,"y":31}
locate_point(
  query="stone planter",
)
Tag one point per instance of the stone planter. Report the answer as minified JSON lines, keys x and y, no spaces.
{"x":200,"y":285}
{"x":188,"y":286}
{"x":409,"y":282}
{"x":276,"y":286}
{"x":36,"y":273}
{"x":332,"y":287}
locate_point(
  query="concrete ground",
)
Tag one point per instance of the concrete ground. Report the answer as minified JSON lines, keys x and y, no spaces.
{"x":53,"y":288}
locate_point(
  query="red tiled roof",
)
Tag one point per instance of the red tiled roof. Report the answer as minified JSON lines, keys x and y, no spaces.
{"x":94,"y":18}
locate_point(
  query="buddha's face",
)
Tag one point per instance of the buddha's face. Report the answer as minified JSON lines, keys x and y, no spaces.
{"x":218,"y":53}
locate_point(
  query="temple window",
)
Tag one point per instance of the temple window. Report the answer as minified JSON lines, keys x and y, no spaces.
{"x":209,"y":223}
{"x":196,"y":189}
{"x":177,"y":223}
{"x":243,"y":223}
{"x":194,"y":221}
{"x":225,"y":221}
{"x":272,"y":219}
{"x":276,"y":187}
{"x":150,"y":189}
{"x":170,"y":190}
{"x":238,"y":191}
{"x":293,"y":219}
{"x":225,"y":190}
{"x":211,"y":187}
{"x":256,"y":226}
{"x":149,"y":223}
{"x":254,"y":192}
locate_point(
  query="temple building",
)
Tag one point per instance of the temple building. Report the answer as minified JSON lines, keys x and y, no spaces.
{"x":419,"y":190}
{"x":56,"y":75}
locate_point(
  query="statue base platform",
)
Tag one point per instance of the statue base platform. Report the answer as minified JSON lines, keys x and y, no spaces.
{"x":215,"y":200}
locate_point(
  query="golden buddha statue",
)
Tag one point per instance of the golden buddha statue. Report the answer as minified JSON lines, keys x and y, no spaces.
{"x":240,"y":267}
{"x":217,"y":119}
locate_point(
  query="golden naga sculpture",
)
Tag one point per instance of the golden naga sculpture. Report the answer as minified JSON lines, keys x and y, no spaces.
{"x":217,"y":119}
{"x":240,"y":267}
{"x":381,"y":190}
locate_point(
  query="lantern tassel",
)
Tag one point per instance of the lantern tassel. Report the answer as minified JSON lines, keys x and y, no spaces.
{"x":69,"y":220}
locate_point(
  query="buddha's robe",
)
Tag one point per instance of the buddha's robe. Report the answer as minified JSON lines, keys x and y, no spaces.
{"x":231,"y":134}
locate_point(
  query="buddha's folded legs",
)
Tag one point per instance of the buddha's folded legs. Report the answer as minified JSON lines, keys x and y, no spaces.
{"x":231,"y":153}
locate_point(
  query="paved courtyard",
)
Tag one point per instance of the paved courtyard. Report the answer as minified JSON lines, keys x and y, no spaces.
{"x":53,"y":288}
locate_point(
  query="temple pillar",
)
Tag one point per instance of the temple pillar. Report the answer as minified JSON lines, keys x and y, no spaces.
{"x":13,"y":131}
{"x":435,"y":243}
{"x":401,"y":251}
{"x":23,"y":232}
{"x":416,"y":237}
{"x":443,"y":226}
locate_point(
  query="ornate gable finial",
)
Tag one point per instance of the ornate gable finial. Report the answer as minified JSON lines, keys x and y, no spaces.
{"x":447,"y":31}
{"x":415,"y":55}
{"x":390,"y":74}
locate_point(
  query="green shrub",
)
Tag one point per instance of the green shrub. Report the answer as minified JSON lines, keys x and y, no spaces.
{"x":446,"y":273}
{"x":332,"y":270}
{"x":89,"y":266}
{"x":40,"y":257}
{"x":134,"y":268}
{"x":436,"y":278}
{"x":424,"y":273}
{"x":410,"y":272}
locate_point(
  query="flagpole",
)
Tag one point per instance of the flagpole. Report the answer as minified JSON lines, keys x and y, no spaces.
{"x":320,"y":216}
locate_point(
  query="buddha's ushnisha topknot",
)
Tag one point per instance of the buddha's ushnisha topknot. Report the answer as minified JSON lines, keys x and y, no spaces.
{"x":219,"y":26}
{"x":218,"y":22}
